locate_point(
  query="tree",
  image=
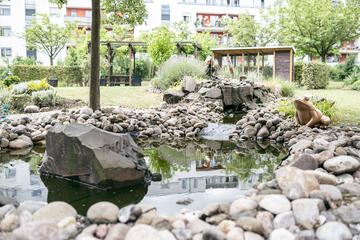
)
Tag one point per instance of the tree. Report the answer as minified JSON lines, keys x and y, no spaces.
{"x":122,"y":12}
{"x":317,"y":27}
{"x":47,"y":37}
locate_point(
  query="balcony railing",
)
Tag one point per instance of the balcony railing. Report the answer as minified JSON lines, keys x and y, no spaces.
{"x":79,"y":20}
{"x":223,"y":3}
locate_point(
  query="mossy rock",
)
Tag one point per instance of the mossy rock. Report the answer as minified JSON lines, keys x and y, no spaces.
{"x":20,"y":101}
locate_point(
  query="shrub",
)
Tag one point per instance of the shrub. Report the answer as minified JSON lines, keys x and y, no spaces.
{"x":287,"y":88}
{"x":298,"y":71}
{"x":68,"y":76}
{"x":356,"y":85}
{"x":20,"y":101}
{"x":10,"y":80}
{"x":286,"y":107}
{"x":174,"y":70}
{"x":352,"y":78}
{"x":315,"y":75}
{"x":20,"y":88}
{"x":44,"y":98}
{"x":35,"y":86}
{"x":4,"y":96}
{"x":347,"y":68}
{"x":334,"y":74}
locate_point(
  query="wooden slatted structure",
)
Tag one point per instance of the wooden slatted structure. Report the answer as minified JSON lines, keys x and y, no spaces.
{"x":283,"y":65}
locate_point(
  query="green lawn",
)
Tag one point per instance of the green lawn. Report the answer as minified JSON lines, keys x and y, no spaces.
{"x":347,"y":101}
{"x":116,"y":96}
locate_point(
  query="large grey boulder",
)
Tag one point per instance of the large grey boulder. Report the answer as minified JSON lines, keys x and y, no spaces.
{"x":237,"y":95}
{"x":93,"y":155}
{"x":172,"y":96}
{"x":188,"y":85}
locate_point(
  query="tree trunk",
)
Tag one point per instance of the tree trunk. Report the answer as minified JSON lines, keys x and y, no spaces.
{"x":323,"y":58}
{"x":94,"y":96}
{"x":51,"y":61}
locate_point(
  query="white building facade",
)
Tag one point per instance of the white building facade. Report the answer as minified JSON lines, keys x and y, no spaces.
{"x":202,"y":15}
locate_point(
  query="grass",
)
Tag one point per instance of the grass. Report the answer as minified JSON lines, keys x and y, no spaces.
{"x":346,"y":100}
{"x":116,"y":96}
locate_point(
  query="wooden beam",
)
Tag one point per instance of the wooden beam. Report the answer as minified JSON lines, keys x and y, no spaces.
{"x":110,"y":64}
{"x":274,"y":64}
{"x":258,"y":63}
{"x":130,"y":66}
{"x":248,"y":63}
{"x":291,"y":65}
{"x":242,"y":64}
{"x":213,"y":60}
{"x":263,"y":59}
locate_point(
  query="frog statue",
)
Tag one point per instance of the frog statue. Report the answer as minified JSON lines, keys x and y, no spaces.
{"x":307,"y":114}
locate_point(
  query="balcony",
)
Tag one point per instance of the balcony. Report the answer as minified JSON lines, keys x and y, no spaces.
{"x":223,"y":3}
{"x":81,"y":21}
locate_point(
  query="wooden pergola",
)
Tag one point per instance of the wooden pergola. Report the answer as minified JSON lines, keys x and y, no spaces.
{"x":283,"y":63}
{"x":180,"y":48}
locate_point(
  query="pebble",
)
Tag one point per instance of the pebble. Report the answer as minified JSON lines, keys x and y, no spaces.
{"x":117,"y":232}
{"x":243,"y":207}
{"x":275,"y":203}
{"x":333,"y":231}
{"x":281,"y":234}
{"x":142,"y":232}
{"x":55,"y":211}
{"x":306,"y":212}
{"x":342,"y":164}
{"x":103,"y":212}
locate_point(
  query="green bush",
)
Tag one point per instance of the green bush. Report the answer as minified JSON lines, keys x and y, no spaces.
{"x":4,"y":96}
{"x":315,"y":75}
{"x":45,"y":98}
{"x":286,"y":107}
{"x":173,"y":71}
{"x":23,"y":61}
{"x":19,"y":102}
{"x":20,"y":88}
{"x":67,"y":76}
{"x":356,"y":85}
{"x":352,"y":78}
{"x":298,"y":71}
{"x":10,"y":80}
{"x":37,"y":85}
{"x":287,"y":88}
{"x":334,"y":74}
{"x":347,"y":68}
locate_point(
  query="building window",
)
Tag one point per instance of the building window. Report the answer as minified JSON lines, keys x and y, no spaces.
{"x":236,"y":3}
{"x":262,"y":3}
{"x":208,"y":2}
{"x":31,"y":53}
{"x":73,"y":13}
{"x":30,"y":12}
{"x":183,"y":184}
{"x":6,"y":52}
{"x":186,"y":18}
{"x":165,"y":14}
{"x":54,"y":12}
{"x":195,"y":183}
{"x":88,"y":13}
{"x":4,"y":10}
{"x":5,"y":31}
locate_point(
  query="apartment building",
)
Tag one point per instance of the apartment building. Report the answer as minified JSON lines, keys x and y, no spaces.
{"x":202,"y":15}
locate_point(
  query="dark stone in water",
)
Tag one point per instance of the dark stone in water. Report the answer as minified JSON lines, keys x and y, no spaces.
{"x":93,"y":156}
{"x":185,"y":201}
{"x":6,"y":200}
{"x":156,"y":177}
{"x":129,"y":213}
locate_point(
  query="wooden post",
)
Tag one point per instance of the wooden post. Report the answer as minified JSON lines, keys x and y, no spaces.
{"x":196,"y":52}
{"x":178,"y":49}
{"x":130,"y":68}
{"x":274,"y":64}
{"x":291,"y":65}
{"x":134,"y":54}
{"x":229,"y":65}
{"x":258,"y":63}
{"x":220,"y":60}
{"x":242,"y":64}
{"x":110,"y":64}
{"x":248,"y":62}
{"x":213,"y":60}
{"x":263,"y":64}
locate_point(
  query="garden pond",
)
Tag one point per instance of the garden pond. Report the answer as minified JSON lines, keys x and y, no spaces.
{"x":203,"y":170}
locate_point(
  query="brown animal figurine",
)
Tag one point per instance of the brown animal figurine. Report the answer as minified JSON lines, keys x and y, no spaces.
{"x":307,"y":114}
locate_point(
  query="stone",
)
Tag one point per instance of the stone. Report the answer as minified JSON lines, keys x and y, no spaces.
{"x":323,"y":156}
{"x":275,"y":203}
{"x":214,"y":93}
{"x":98,"y":156}
{"x":86,"y":110}
{"x":182,"y":234}
{"x":172,"y":96}
{"x":306,"y":235}
{"x":188,"y":85}
{"x":4,"y":143}
{"x":250,"y":131}
{"x":38,"y":230}
{"x":252,"y":236}
{"x":349,"y":214}
{"x":226,"y":225}
{"x":323,"y":178}
{"x":101,"y":231}
{"x":344,"y":178}
{"x":301,"y":145}
{"x":211,"y":209}
{"x":281,"y":234}
{"x":342,"y":164}
{"x":305,"y":162}
{"x":31,"y":109}
{"x":333,"y":192}
{"x":20,"y":144}
{"x":129,"y":213}
{"x":284,"y":220}
{"x":320,"y":144}
{"x":166,"y":235}
{"x":250,"y":224}
{"x":306,"y":212}
{"x":7,"y":209}
{"x":243,"y":207}
{"x":333,"y":231}
{"x":103,"y":212}
{"x":263,"y":132}
{"x":292,"y":179}
{"x":213,"y":233}
{"x":216,"y":219}
{"x":9,"y":223}
{"x":161,"y":223}
{"x":197,"y":226}
{"x":142,"y":232}
{"x":266,"y":218}
{"x":55,"y":211}
{"x":31,"y":206}
{"x":235,"y":234}
{"x":172,"y":121}
{"x":7,"y":200}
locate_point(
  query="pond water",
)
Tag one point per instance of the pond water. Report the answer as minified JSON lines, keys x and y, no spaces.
{"x":203,"y":170}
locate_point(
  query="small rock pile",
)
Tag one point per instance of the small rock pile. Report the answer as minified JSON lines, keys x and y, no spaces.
{"x":182,"y":120}
{"x":228,"y":93}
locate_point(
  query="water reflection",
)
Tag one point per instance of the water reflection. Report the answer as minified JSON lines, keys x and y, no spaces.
{"x":203,"y":170}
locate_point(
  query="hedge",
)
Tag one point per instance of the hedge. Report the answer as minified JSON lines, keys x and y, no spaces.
{"x":315,"y":75}
{"x":67,"y":76}
{"x":298,"y":70}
